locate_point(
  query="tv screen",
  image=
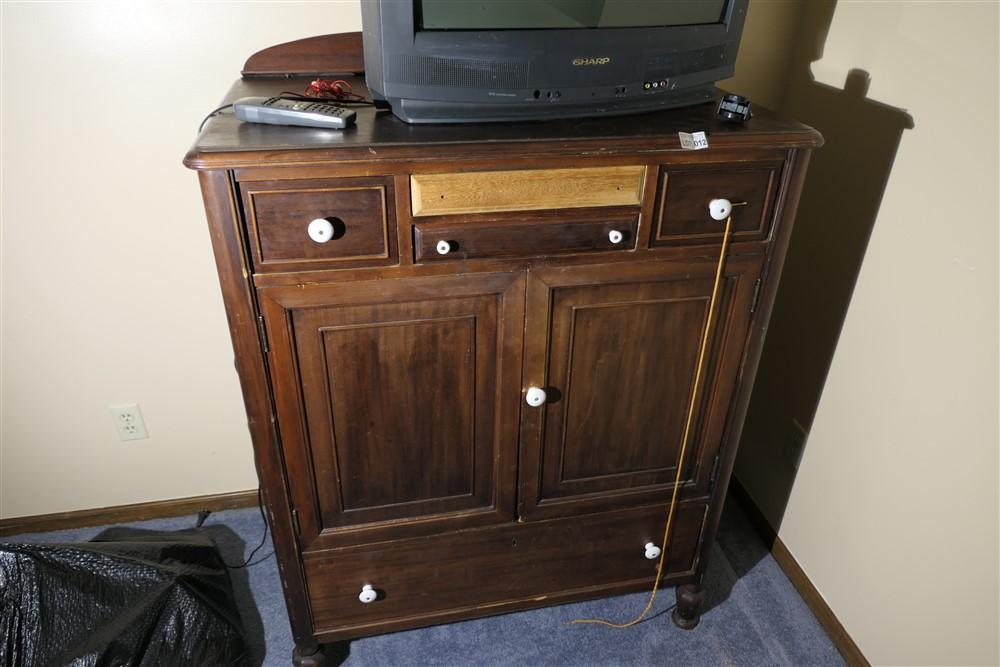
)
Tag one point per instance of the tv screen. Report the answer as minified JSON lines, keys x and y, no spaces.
{"x":549,"y":14}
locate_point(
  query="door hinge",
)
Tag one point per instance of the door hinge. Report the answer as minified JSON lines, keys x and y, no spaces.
{"x":295,"y":522}
{"x":715,"y":470}
{"x":756,"y":295}
{"x":262,"y":330}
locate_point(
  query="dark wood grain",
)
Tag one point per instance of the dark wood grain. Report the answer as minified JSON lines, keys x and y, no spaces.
{"x":686,"y":613}
{"x":388,"y":401}
{"x":788,"y":198}
{"x":526,"y":235}
{"x":683,"y":194}
{"x":385,"y":392}
{"x":229,"y":143}
{"x":279,"y":213}
{"x":340,"y":53}
{"x":158,"y":509}
{"x":491,"y":568}
{"x":227,"y":232}
{"x":616,"y":347}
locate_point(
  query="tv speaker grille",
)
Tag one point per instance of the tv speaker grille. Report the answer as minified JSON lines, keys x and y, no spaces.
{"x":431,"y":71}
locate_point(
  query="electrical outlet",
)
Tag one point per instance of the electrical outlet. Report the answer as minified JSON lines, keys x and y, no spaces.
{"x":128,"y":421}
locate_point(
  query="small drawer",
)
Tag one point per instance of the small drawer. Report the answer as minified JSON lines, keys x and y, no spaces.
{"x":525,"y":190}
{"x":314,"y":224}
{"x":414,"y":582}
{"x":683,"y":193}
{"x":519,"y":236}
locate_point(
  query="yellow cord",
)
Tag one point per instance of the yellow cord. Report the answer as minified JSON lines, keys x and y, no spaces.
{"x":699,"y":368}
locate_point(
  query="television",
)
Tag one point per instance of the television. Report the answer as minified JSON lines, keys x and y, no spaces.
{"x":448,"y":61}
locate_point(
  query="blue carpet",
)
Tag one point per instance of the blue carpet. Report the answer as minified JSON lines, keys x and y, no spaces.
{"x":753,"y":614}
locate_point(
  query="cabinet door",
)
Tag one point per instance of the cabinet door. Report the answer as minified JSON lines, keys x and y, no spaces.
{"x":615,"y":348}
{"x":397,"y":403}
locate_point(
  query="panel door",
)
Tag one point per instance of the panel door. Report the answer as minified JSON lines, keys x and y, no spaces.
{"x":397,"y":403}
{"x":615,"y":348}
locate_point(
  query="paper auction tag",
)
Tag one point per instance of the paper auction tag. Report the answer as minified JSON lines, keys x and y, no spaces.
{"x":694,"y":141}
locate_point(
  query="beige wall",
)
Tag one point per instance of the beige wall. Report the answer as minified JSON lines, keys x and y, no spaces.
{"x":109,"y":286}
{"x":894,"y":510}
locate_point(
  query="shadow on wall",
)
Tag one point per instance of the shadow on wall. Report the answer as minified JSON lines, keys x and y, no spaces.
{"x":837,"y":211}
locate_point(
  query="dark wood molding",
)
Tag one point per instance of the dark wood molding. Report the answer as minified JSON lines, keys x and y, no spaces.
{"x":810,"y":595}
{"x":313,"y":56}
{"x":43,"y":523}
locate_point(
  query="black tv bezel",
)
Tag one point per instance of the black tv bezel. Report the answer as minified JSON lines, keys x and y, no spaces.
{"x":390,"y":31}
{"x":419,"y":27}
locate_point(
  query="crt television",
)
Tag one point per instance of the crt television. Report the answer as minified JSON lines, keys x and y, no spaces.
{"x":446,"y":61}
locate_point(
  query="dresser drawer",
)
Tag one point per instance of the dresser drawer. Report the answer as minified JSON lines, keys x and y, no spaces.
{"x":525,"y":190}
{"x":419,"y":580}
{"x":284,"y":237}
{"x":526,"y":236}
{"x":683,"y":193}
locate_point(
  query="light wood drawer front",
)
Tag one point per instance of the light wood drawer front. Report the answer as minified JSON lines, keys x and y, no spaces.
{"x":525,"y":190}
{"x":279,"y":214}
{"x":419,"y":578}
{"x":525,"y":237}
{"x":681,"y":214}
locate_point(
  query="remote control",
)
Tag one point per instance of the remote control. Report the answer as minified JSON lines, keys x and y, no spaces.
{"x":281,"y":111}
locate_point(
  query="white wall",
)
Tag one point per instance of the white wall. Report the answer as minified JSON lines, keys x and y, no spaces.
{"x":109,"y":286}
{"x":894,"y":511}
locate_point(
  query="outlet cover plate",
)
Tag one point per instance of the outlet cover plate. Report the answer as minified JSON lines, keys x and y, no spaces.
{"x":128,"y":422}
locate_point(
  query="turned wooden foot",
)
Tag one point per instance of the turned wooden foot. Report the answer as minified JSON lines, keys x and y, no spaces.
{"x":308,"y":656}
{"x":687,"y":613}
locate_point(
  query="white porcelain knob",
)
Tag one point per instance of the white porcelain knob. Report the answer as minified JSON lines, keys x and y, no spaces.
{"x":443,"y":247}
{"x":652,"y":551}
{"x":720,"y":209}
{"x":615,"y":236}
{"x":535,"y":396}
{"x":368,"y":594}
{"x":320,"y":230}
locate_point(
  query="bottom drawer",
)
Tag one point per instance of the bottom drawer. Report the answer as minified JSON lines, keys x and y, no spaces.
{"x":478,"y":572}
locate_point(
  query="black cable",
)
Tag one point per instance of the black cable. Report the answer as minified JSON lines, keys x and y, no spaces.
{"x":214,"y":111}
{"x":336,"y":101}
{"x":263,"y":539}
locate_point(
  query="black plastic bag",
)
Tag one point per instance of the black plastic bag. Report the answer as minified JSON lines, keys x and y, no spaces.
{"x":129,"y":597}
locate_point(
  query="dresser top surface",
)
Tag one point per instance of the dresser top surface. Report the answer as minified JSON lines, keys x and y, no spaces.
{"x":227,"y":142}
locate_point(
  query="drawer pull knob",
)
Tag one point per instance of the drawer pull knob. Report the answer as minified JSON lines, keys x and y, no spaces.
{"x":535,"y":396}
{"x":443,"y":247}
{"x":321,"y":230}
{"x":652,"y":551}
{"x":368,"y":594}
{"x":615,"y":236}
{"x":720,"y":209}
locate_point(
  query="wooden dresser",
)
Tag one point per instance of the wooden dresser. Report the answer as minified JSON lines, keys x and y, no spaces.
{"x":387,"y":350}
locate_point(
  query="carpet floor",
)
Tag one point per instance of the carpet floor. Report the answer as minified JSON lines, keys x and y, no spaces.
{"x":753,"y":615}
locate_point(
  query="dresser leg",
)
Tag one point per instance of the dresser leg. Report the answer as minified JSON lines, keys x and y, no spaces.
{"x":687,"y":613}
{"x":308,"y":656}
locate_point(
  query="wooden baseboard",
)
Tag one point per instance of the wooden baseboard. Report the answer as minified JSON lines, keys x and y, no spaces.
{"x":810,"y":595}
{"x":43,"y":523}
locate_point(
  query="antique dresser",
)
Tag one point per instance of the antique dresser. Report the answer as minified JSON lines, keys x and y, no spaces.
{"x":468,"y":353}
